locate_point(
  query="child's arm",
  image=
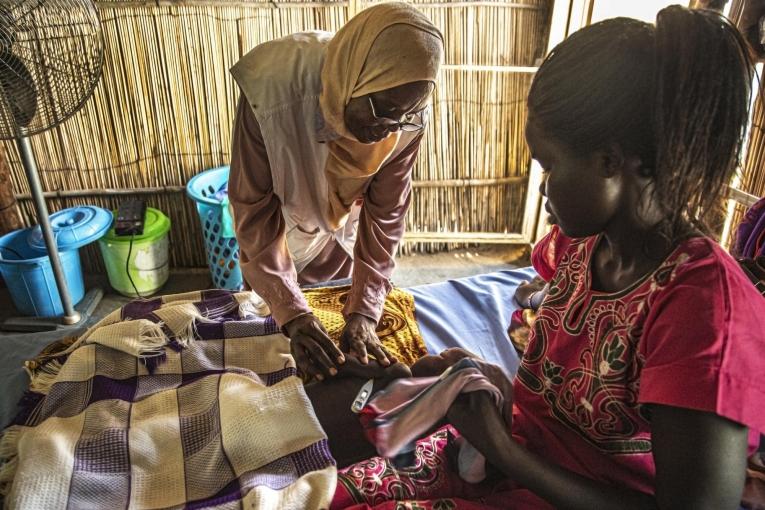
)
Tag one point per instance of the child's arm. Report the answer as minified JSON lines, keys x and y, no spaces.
{"x":528,"y":297}
{"x":700,"y":461}
{"x":530,"y":294}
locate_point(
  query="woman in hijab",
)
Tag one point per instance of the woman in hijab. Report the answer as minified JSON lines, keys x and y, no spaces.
{"x":327,"y":131}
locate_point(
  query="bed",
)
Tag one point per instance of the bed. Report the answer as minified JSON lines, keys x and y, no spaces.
{"x":472,"y":313}
{"x":103,"y":410}
{"x":441,"y":311}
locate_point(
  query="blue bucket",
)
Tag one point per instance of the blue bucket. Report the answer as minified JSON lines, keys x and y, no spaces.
{"x":220,"y":242}
{"x":29,"y":276}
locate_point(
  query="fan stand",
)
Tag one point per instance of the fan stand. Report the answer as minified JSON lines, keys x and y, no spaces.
{"x":84,"y":309}
{"x":73,"y":316}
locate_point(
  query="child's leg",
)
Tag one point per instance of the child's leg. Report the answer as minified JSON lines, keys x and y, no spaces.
{"x":332,"y":399}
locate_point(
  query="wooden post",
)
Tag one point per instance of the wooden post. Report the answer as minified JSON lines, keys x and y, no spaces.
{"x":567,"y":17}
{"x":9,"y":214}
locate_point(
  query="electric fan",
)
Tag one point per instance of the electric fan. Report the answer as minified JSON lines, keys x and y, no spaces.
{"x":51,"y":56}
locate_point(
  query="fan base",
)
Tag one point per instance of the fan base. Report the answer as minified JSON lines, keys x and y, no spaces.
{"x":84,"y":309}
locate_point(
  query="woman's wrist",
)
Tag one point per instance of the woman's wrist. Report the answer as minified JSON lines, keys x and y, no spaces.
{"x":361,"y":317}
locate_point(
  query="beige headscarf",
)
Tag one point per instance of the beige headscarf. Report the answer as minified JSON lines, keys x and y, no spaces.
{"x":358,"y":62}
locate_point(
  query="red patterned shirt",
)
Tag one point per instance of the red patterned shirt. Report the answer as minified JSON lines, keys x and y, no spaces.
{"x":691,"y":334}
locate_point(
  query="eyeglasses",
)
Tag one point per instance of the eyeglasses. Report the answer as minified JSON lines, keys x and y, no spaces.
{"x":414,"y":121}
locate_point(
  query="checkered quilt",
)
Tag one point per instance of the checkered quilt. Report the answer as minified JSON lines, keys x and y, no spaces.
{"x":183,"y":401}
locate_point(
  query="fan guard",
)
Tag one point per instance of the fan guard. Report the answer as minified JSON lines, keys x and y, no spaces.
{"x":51,"y":56}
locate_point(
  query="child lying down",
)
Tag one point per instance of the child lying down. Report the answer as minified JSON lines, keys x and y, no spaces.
{"x":401,"y":404}
{"x":205,"y":425}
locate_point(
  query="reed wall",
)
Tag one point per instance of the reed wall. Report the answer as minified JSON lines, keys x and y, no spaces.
{"x":164,"y":108}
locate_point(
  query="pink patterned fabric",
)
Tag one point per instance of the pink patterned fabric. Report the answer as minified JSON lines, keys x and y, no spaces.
{"x":407,"y":408}
{"x":429,"y":484}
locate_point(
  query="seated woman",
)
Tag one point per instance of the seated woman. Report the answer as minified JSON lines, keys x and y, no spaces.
{"x":636,"y":387}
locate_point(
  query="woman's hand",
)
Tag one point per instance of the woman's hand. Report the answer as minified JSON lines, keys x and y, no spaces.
{"x":359,"y":337}
{"x":477,"y":419}
{"x":314,"y":352}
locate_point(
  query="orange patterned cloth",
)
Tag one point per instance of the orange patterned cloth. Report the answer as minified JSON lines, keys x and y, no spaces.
{"x":397,"y":328}
{"x":521,"y":323}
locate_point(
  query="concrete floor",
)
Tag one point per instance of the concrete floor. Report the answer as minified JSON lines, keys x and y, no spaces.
{"x":419,"y":269}
{"x":412,"y":270}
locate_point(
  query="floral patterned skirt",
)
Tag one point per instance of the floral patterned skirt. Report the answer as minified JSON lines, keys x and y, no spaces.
{"x":430,"y":483}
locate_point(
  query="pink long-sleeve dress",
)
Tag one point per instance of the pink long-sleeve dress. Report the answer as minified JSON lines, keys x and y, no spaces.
{"x":261,"y":230}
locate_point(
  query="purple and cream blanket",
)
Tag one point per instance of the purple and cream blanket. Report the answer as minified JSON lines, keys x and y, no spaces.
{"x":185,"y":401}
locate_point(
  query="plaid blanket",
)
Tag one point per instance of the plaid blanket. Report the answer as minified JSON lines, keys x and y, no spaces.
{"x":182,"y":401}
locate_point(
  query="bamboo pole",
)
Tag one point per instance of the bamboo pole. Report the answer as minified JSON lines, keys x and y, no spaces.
{"x":106,"y":192}
{"x":463,"y":237}
{"x":217,"y":4}
{"x":742,"y":197}
{"x":303,"y":5}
